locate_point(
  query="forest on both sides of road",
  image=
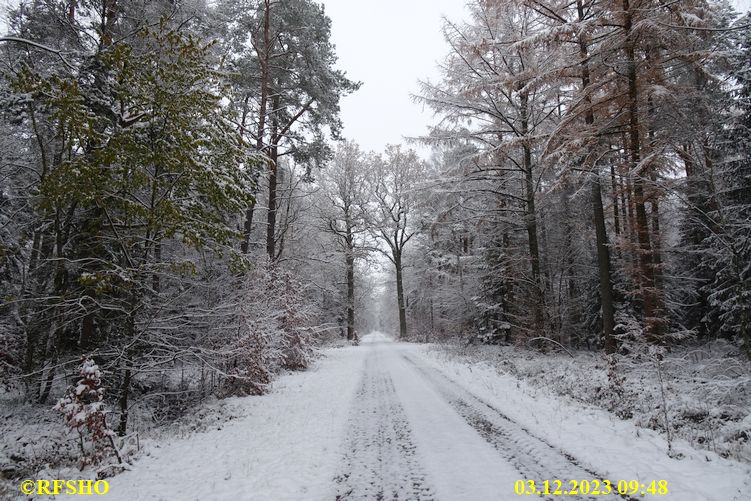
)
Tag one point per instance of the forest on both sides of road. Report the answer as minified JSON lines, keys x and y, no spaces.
{"x":181,"y":220}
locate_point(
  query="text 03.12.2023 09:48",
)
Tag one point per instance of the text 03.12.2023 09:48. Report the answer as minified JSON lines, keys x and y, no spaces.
{"x":593,"y":487}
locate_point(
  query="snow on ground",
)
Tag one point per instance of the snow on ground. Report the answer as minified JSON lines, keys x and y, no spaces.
{"x":706,"y":390}
{"x":407,"y":443}
{"x":286,"y":447}
{"x":461,"y":463}
{"x":388,"y":420}
{"x":611,"y":446}
{"x":376,"y":337}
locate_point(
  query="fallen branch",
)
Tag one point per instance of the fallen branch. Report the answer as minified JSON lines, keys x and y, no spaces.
{"x":543,"y":338}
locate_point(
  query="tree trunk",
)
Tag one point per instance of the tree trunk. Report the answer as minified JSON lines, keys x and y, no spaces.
{"x":575,"y":312}
{"x":122,"y":401}
{"x":50,"y":357}
{"x":350,"y":264}
{"x":155,"y":279}
{"x":60,"y":287}
{"x":648,"y":289}
{"x":44,"y":390}
{"x":271,"y":213}
{"x":400,"y":296}
{"x":350,"y":294}
{"x":87,"y":331}
{"x":607,"y":306}
{"x":531,"y":222}
{"x":603,"y":266}
{"x":616,"y":214}
{"x":273,"y":160}
{"x":247,"y":227}
{"x":263,"y":59}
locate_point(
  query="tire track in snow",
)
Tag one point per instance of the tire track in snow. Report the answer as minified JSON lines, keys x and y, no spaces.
{"x":379,"y":461}
{"x":534,"y":458}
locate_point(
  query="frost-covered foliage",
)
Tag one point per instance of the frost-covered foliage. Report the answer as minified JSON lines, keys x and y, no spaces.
{"x":122,"y":169}
{"x":126,"y":176}
{"x":84,"y":411}
{"x":127,"y":167}
{"x":729,"y":246}
{"x":273,"y":331}
{"x":603,"y":189}
{"x":714,"y":284}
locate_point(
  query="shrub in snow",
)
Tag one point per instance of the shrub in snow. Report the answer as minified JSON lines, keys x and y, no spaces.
{"x":11,"y":352}
{"x":82,"y":407}
{"x":273,"y":331}
{"x":615,"y":397}
{"x":294,"y":322}
{"x":628,"y":331}
{"x":248,"y":371}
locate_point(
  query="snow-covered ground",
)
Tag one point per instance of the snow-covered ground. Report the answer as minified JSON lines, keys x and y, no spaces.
{"x":386,"y":420}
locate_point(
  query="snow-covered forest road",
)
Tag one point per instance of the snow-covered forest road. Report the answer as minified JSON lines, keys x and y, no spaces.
{"x":471,"y":450}
{"x":394,"y":421}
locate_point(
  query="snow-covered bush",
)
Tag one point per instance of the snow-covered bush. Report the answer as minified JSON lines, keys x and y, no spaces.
{"x":248,"y":371}
{"x":83,"y":410}
{"x":11,"y":347}
{"x":296,"y":346}
{"x":273,"y":331}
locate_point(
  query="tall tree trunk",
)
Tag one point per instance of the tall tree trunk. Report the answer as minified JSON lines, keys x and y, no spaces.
{"x":616,"y":214}
{"x":271,"y":213}
{"x":50,"y":356}
{"x":264,"y":59}
{"x":273,"y":181}
{"x":350,"y":258}
{"x":122,"y":400}
{"x":648,"y":285}
{"x":607,"y":305}
{"x":603,"y":266}
{"x":350,"y":264}
{"x":39,"y":252}
{"x":46,"y":384}
{"x":531,"y":221}
{"x":247,"y":228}
{"x":656,"y":239}
{"x":654,"y":198}
{"x":60,"y":287}
{"x":156,"y":283}
{"x":400,"y":295}
{"x":573,"y":318}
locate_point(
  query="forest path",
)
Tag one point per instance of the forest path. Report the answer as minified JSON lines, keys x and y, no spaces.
{"x":387,"y":421}
{"x":416,"y":434}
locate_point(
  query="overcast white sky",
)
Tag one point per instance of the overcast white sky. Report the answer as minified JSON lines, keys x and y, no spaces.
{"x":388,"y":45}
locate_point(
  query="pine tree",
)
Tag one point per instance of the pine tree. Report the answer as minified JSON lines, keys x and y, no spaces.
{"x":287,"y":89}
{"x":728,"y":245}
